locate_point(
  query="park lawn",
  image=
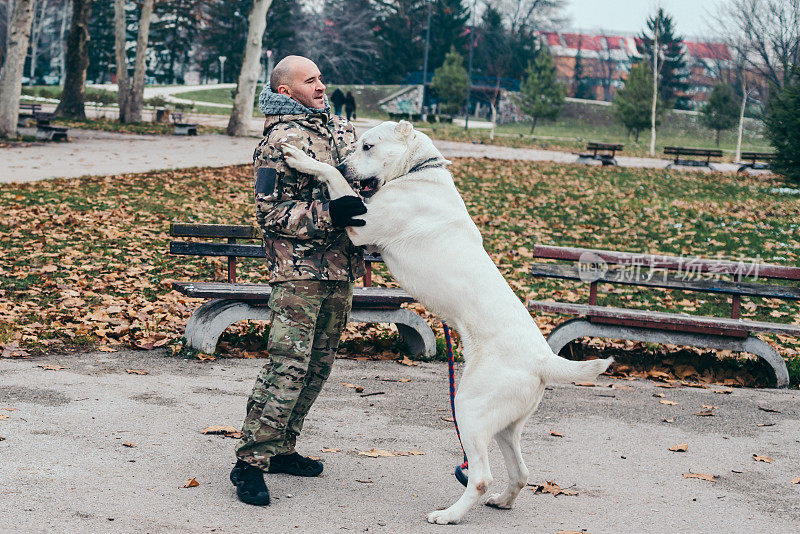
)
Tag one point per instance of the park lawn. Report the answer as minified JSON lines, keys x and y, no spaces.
{"x":146,"y":128}
{"x":84,"y":262}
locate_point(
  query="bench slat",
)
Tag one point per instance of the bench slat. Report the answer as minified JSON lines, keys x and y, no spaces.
{"x":687,"y":151}
{"x":621,"y":276}
{"x":363,"y":297}
{"x":236,"y":231}
{"x":186,"y":248}
{"x":666,"y":319}
{"x":657,"y":261}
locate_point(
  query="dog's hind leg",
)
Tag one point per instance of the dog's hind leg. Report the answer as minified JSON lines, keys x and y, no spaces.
{"x":508,"y":439}
{"x":475,"y":436}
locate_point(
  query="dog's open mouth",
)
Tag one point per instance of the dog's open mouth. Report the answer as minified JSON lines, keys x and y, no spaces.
{"x":368,"y":187}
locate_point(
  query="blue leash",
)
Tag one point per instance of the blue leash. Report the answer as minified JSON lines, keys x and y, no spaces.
{"x":459,"y":472}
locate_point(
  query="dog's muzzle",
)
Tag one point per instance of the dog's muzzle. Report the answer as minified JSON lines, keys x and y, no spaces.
{"x":368,"y":187}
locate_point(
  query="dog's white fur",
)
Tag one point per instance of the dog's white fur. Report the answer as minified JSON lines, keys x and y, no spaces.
{"x":420,"y":224}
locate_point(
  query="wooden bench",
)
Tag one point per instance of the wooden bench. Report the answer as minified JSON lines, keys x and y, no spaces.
{"x":181,"y":127}
{"x":758,"y":161}
{"x":602,"y":152}
{"x":232,"y":302}
{"x":27,"y":112}
{"x":667,"y":272}
{"x":679,"y":151}
{"x":46,"y":131}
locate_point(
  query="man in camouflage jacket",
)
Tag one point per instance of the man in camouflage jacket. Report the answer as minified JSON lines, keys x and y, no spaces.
{"x":312,"y":266}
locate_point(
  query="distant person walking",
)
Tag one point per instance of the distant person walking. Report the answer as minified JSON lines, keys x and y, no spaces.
{"x":337,"y":99}
{"x":350,"y":106}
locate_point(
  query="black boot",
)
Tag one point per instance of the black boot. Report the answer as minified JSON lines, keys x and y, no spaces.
{"x":294,"y":464}
{"x":249,"y":482}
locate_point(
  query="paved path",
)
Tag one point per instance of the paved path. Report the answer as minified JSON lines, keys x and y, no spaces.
{"x":64,"y":466}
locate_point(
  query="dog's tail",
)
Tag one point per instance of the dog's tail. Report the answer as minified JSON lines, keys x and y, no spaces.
{"x":558,"y":369}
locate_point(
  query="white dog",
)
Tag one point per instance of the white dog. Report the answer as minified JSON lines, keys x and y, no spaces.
{"x":418,"y":221}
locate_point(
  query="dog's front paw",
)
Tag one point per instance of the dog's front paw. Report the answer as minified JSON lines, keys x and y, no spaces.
{"x":498,"y":500}
{"x":442,"y":517}
{"x":299,"y":160}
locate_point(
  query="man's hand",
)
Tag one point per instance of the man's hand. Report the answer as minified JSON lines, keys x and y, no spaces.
{"x":343,"y":209}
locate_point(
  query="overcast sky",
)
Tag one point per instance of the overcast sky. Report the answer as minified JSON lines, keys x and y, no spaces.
{"x":690,"y":16}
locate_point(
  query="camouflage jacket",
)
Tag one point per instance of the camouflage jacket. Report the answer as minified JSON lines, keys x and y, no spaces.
{"x":292,"y":208}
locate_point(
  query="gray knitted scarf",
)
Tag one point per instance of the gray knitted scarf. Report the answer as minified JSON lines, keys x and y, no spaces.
{"x":277,"y":104}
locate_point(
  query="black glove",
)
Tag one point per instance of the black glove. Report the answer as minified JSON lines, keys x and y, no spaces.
{"x":343,"y":209}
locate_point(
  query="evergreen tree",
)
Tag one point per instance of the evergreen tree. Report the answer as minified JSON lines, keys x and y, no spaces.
{"x":401,"y":39}
{"x":672,"y":71}
{"x":783,"y":128}
{"x":721,"y":112}
{"x":542,"y":96}
{"x":633,"y":104}
{"x":448,"y":24}
{"x":580,"y":83}
{"x":101,"y":41}
{"x":173,"y":32}
{"x":450,"y":82}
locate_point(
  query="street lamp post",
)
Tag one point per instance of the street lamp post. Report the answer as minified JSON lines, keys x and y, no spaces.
{"x":222,"y":68}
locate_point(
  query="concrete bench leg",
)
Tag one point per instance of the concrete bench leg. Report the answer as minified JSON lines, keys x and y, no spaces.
{"x":413,"y":329}
{"x":578,"y":328}
{"x":210,"y":320}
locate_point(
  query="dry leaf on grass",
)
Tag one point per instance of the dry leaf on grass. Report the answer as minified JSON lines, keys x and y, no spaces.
{"x":227,"y":430}
{"x":765,"y":459}
{"x":191,"y":483}
{"x":669,"y":402}
{"x":701,"y":476}
{"x":52,"y":367}
{"x":551,"y":487}
{"x":680,"y":447}
{"x":136,"y":371}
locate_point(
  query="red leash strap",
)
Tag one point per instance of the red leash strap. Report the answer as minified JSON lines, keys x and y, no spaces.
{"x":459,"y":472}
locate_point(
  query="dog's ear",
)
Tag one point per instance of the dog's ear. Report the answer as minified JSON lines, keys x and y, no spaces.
{"x":404,"y":128}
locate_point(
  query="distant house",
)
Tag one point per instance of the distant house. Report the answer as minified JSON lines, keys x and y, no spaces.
{"x":607,"y":59}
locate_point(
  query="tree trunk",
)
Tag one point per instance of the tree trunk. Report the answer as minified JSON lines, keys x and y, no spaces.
{"x":11,"y":79}
{"x":251,"y":67}
{"x":533,"y":124}
{"x":718,"y":132}
{"x":123,"y":83}
{"x":77,"y":60}
{"x":136,"y":100}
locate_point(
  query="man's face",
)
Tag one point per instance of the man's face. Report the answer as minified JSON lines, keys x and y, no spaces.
{"x":307,"y":87}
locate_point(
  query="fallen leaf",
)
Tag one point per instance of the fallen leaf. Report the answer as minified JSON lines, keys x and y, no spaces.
{"x":191,"y":483}
{"x":136,"y":371}
{"x":705,"y":413}
{"x":668,"y":420}
{"x":701,"y":476}
{"x":326,"y":449}
{"x":407,"y":361}
{"x":666,"y":385}
{"x":621,"y":386}
{"x":669,"y":402}
{"x":2,"y":438}
{"x":365,"y":481}
{"x":106,"y":349}
{"x":11,"y":409}
{"x":447,"y":418}
{"x":725,"y":391}
{"x":770,"y":410}
{"x":709,"y":407}
{"x":128,"y":444}
{"x":556,"y":434}
{"x":765,"y":459}
{"x":794,"y":480}
{"x":585,"y":384}
{"x":3,"y":417}
{"x":52,"y":367}
{"x":680,"y":447}
{"x":659,"y":395}
{"x":375,"y":453}
{"x":404,"y":380}
{"x":551,"y":487}
{"x":409,"y":453}
{"x":358,"y":389}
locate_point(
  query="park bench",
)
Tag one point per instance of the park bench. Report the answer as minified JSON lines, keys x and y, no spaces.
{"x":679,"y":151}
{"x":183,"y":128}
{"x":232,"y":302}
{"x":602,"y":152}
{"x":667,"y":272}
{"x":27,"y":112}
{"x":46,"y":131}
{"x":757,"y":161}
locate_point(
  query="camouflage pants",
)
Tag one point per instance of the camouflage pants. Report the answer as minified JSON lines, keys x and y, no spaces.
{"x":308,"y":319}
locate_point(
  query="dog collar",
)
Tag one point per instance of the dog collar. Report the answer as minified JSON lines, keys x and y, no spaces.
{"x":426,"y":165}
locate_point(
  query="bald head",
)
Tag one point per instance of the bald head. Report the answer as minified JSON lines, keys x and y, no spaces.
{"x":300,"y":79}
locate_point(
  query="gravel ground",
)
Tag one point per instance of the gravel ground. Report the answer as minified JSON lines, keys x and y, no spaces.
{"x":65,"y":466}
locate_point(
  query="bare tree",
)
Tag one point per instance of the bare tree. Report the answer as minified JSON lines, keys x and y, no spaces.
{"x":11,"y":78}
{"x":251,"y":67}
{"x":532,"y":14}
{"x":605,"y":69}
{"x":131,"y":95}
{"x":77,"y":61}
{"x":766,"y":33}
